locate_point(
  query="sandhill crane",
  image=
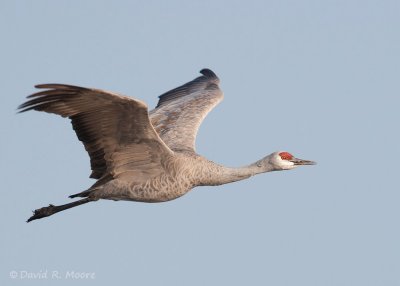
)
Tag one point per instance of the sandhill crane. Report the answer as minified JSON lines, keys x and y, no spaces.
{"x":143,"y":156}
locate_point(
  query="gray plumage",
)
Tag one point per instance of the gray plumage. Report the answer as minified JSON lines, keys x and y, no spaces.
{"x":144,"y":156}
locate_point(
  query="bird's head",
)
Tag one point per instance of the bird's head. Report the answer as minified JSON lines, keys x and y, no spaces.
{"x":283,"y":160}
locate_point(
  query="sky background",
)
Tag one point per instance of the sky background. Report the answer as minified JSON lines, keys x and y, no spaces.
{"x":319,"y":79}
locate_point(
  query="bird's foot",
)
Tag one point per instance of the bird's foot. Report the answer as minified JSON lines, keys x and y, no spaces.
{"x":52,"y":209}
{"x":43,"y":212}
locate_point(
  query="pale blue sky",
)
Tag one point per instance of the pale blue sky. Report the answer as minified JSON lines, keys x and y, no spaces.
{"x":317,"y":78}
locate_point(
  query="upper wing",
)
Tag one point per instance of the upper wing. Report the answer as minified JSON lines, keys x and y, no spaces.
{"x":179,"y":112}
{"x":115,"y":129}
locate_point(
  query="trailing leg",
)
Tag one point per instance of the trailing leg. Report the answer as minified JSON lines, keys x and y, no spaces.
{"x":51,"y":209}
{"x":82,"y":194}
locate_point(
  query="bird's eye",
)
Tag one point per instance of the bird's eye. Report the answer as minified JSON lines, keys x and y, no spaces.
{"x":286,"y":156}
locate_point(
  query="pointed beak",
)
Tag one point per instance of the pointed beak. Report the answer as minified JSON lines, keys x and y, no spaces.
{"x":299,"y":162}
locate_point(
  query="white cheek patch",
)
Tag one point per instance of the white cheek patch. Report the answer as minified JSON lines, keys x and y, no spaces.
{"x":283,"y":164}
{"x":287,"y":165}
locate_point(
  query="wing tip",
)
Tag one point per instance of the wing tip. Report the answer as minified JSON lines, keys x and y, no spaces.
{"x":43,"y":85}
{"x":209,"y":78}
{"x":59,"y":85}
{"x":208,"y":73}
{"x":51,"y":85}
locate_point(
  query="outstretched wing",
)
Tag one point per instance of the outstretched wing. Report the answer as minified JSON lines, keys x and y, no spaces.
{"x":115,"y":129}
{"x":179,"y":112}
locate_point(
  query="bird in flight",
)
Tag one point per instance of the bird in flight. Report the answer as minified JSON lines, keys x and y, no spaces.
{"x":140,"y":155}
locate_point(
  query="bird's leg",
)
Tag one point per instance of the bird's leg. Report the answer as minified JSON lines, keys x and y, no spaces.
{"x":51,"y":209}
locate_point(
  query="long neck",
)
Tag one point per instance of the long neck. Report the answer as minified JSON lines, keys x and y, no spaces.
{"x":219,"y":175}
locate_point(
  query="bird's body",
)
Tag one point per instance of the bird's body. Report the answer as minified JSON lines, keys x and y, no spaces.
{"x":183,"y":173}
{"x":144,"y":156}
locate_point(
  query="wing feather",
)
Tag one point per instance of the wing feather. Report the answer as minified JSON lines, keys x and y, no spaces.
{"x":180,"y":112}
{"x":115,"y":129}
